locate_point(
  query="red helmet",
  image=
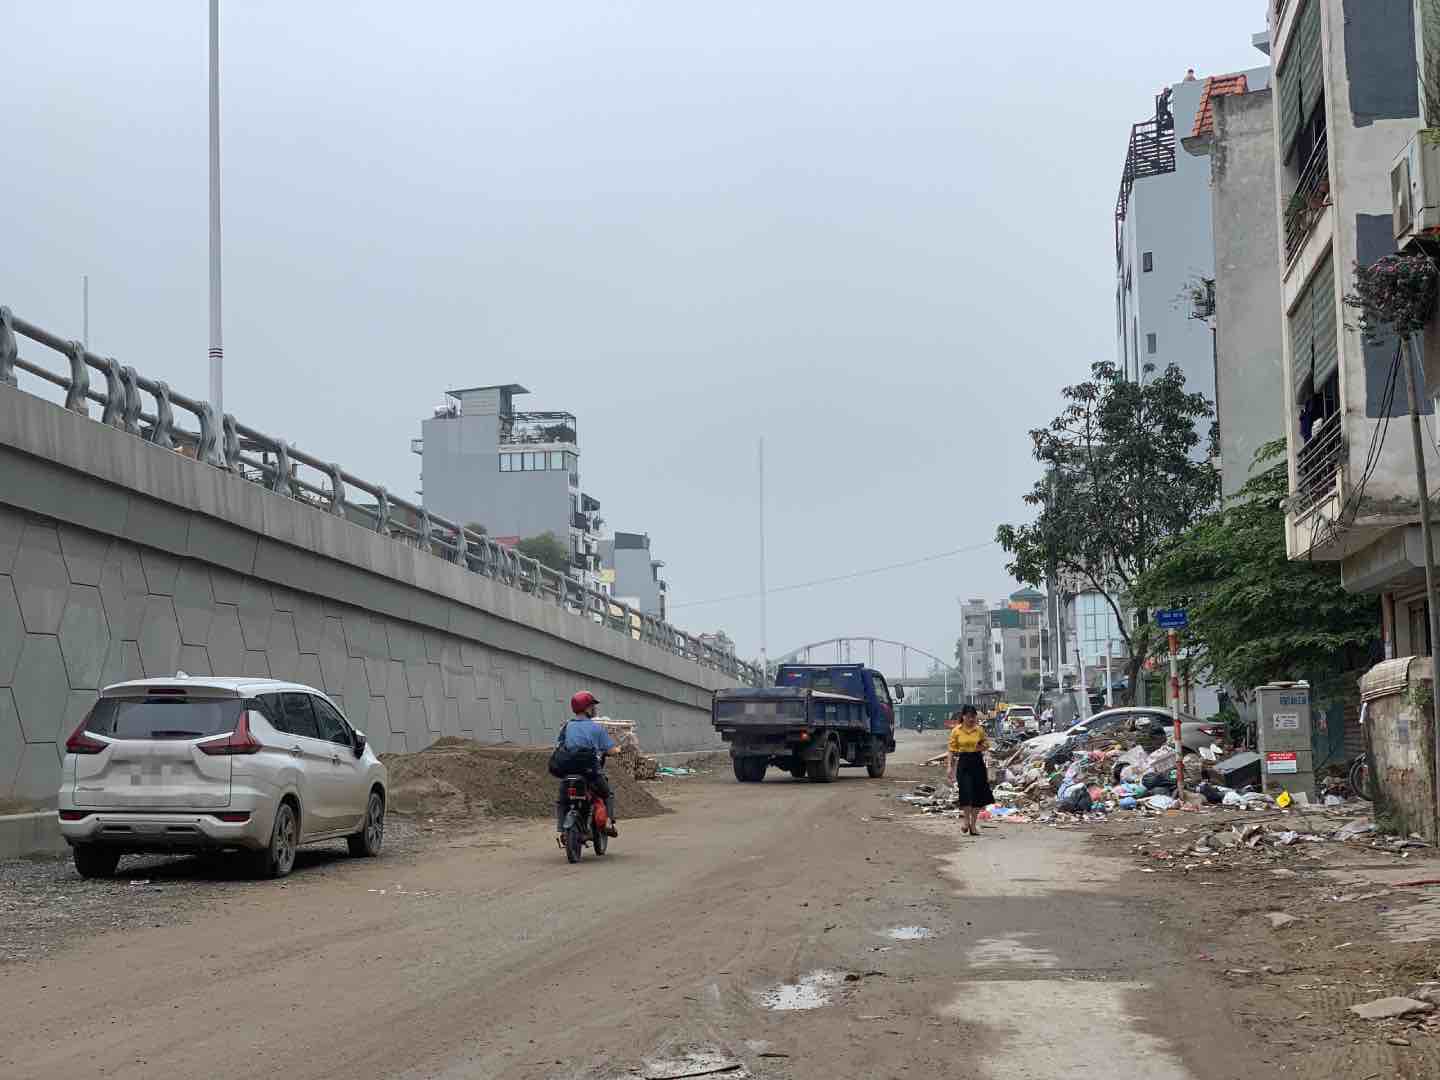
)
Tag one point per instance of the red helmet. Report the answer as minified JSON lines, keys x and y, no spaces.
{"x":583,"y":701}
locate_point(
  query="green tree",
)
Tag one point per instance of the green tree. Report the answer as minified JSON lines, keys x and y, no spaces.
{"x":547,"y":550}
{"x":1257,"y":616}
{"x":1122,"y":475}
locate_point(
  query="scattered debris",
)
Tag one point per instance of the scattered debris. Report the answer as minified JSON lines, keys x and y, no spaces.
{"x":809,"y":992}
{"x":1389,"y":1007}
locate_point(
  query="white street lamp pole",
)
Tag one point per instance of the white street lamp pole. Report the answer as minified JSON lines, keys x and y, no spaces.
{"x":217,"y":349}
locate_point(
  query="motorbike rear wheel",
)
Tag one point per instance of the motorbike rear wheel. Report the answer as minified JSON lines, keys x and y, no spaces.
{"x":599,"y":839}
{"x":574,"y":843}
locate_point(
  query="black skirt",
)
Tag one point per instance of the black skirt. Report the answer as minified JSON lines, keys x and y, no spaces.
{"x":972,"y":782}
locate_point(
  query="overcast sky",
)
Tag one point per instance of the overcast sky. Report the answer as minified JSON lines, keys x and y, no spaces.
{"x":879,"y":235}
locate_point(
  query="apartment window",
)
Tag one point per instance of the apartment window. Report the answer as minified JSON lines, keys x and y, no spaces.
{"x":505,"y":462}
{"x":557,"y":460}
{"x":1147,"y":261}
{"x":1150,"y":344}
{"x":1314,"y":351}
{"x":1301,"y":86}
{"x":997,"y":648}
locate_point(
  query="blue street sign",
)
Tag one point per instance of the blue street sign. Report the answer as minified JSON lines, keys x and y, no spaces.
{"x":1172,"y":618}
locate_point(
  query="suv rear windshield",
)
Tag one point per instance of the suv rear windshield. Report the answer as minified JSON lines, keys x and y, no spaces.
{"x":163,"y":717}
{"x":834,"y":680}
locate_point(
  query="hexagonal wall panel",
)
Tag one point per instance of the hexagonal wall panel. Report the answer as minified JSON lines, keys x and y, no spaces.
{"x":12,"y":741}
{"x":41,"y":688}
{"x":40,"y":579}
{"x":38,"y":780}
{"x":357,"y":695}
{"x":11,"y":526}
{"x":194,"y":604}
{"x":228,"y":586}
{"x":310,"y":674}
{"x":84,"y":636}
{"x":227,"y":643}
{"x":195,"y":660}
{"x":122,"y":588}
{"x":283,"y":650}
{"x":310,"y":623}
{"x":160,"y":571}
{"x":84,"y":553}
{"x":255,"y":665}
{"x":12,"y":632}
{"x":255,"y":613}
{"x":159,"y":638}
{"x":123,"y":663}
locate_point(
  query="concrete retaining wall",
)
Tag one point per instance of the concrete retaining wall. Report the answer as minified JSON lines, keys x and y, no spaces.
{"x":119,"y":560}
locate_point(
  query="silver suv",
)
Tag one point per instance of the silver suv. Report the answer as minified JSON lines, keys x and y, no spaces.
{"x":191,"y":763}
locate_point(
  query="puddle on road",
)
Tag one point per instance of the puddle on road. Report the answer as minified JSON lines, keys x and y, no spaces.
{"x":810,"y":992}
{"x":909,"y":933}
{"x":1009,"y":951}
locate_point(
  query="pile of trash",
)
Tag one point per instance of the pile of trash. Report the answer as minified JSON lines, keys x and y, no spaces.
{"x":1065,"y":779}
{"x":1269,"y":840}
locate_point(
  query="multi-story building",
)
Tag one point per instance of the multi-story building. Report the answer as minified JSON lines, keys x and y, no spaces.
{"x":973,"y":649}
{"x":1004,"y":648}
{"x":1163,"y":246}
{"x":517,"y":474}
{"x":1347,"y":104}
{"x":632,"y":575}
{"x":1234,"y":128}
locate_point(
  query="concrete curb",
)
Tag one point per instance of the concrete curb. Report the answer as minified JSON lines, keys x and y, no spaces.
{"x":30,"y":834}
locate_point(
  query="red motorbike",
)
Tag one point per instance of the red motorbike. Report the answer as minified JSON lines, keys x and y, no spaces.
{"x":585,"y":820}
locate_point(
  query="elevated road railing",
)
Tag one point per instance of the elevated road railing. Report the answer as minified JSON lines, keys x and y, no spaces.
{"x":148,"y":408}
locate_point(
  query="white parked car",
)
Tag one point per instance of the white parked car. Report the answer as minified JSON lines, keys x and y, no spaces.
{"x":200,"y":763}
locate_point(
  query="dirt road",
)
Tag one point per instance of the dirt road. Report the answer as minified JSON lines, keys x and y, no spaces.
{"x":1014,"y":955}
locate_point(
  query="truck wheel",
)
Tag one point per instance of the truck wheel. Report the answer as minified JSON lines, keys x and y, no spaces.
{"x":876,"y":765}
{"x":826,"y":768}
{"x":750,"y":770}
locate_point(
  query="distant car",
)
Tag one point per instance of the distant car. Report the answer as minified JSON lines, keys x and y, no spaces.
{"x":1022,"y":720}
{"x":189,"y":763}
{"x":1154,"y":725}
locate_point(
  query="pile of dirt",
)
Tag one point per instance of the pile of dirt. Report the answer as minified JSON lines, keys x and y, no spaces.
{"x":458,"y":779}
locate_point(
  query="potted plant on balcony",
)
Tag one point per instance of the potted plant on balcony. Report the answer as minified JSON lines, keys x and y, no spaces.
{"x":1395,"y":294}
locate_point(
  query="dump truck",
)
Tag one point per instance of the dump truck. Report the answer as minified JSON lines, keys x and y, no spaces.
{"x":816,"y":719}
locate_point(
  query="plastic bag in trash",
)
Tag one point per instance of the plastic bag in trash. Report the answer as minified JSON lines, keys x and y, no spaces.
{"x":1075,"y":798}
{"x":1127,"y":803}
{"x":1161,"y":802}
{"x":1233,"y":798}
{"x":1162,"y":760}
{"x":1213,"y":794}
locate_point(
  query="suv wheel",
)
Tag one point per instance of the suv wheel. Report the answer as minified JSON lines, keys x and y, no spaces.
{"x":367,"y":842}
{"x":95,"y":862}
{"x":278,"y":859}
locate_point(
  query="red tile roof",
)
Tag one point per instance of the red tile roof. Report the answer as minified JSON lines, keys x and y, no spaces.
{"x":1216,"y":86}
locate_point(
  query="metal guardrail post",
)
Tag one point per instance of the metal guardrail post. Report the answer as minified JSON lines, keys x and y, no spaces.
{"x":231,"y":441}
{"x":382,"y":511}
{"x":280,"y":478}
{"x":209,"y":449}
{"x":163,"y":433}
{"x":113,"y":414}
{"x":337,"y":491}
{"x":9,"y":349}
{"x":77,"y":394}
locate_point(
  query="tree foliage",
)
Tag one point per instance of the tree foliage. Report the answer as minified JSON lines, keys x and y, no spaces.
{"x":1257,"y":616}
{"x":1122,"y":476}
{"x":547,"y":550}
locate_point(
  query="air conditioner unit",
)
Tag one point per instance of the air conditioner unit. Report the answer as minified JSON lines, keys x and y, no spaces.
{"x":1415,"y":190}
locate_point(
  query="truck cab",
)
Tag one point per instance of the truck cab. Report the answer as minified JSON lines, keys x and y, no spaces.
{"x":815,"y":719}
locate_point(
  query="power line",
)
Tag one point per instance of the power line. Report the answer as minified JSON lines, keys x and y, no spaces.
{"x":839,"y":577}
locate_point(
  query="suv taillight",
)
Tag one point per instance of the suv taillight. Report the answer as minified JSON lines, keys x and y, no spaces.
{"x":239,"y":741}
{"x":81,"y":742}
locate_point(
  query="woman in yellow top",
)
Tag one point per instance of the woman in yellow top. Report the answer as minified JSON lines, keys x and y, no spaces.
{"x":967,"y":767}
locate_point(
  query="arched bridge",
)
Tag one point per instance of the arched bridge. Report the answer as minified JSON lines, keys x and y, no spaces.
{"x":876,"y":652}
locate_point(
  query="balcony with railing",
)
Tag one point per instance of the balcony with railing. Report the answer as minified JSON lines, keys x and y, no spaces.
{"x":529,"y":428}
{"x":1151,"y":152}
{"x":1317,"y":467}
{"x":1311,"y":197}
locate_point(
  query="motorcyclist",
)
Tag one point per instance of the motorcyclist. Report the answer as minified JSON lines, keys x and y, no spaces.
{"x":582,"y":732}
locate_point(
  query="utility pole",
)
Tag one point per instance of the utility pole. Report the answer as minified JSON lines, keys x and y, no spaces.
{"x":1174,"y":639}
{"x":1426,"y":540}
{"x":764,"y":657}
{"x":217,"y":348}
{"x":1109,"y":679}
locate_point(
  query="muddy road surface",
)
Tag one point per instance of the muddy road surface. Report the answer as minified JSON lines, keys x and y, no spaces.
{"x":780,"y":930}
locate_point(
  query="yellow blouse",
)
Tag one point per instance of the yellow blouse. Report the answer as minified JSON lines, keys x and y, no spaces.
{"x":966,"y":742}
